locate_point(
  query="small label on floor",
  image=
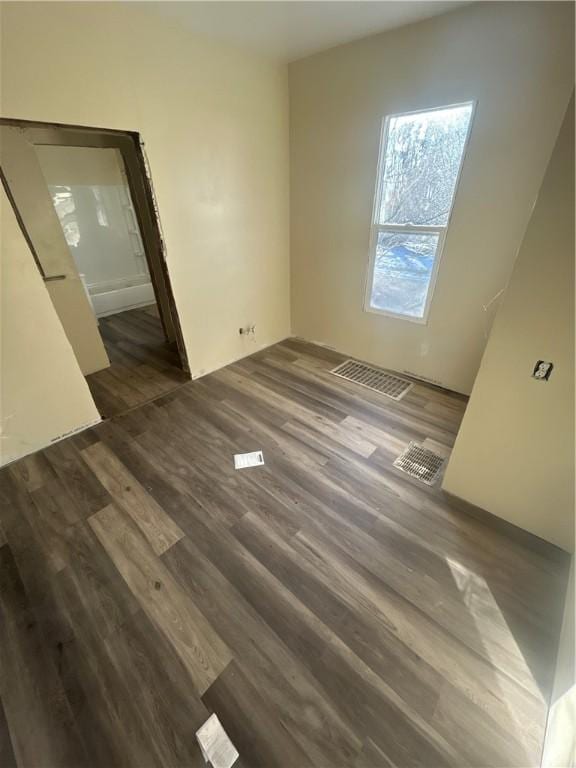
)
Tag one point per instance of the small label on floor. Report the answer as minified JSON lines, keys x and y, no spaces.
{"x":217,"y":749}
{"x":244,"y":460}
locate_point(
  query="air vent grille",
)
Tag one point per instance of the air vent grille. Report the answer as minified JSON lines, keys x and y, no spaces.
{"x":421,"y":463}
{"x":373,"y":378}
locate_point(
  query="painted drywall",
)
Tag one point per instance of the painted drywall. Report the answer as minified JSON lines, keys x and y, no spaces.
{"x":30,"y":193}
{"x":215,"y":124}
{"x":516,"y":61}
{"x":560,"y":740}
{"x":91,"y":196}
{"x":514,"y":454}
{"x":43,"y":394}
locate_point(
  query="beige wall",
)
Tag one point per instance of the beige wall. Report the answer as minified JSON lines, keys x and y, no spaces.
{"x":30,"y":192}
{"x":215,"y":123}
{"x":514,"y":454}
{"x":43,"y":394}
{"x":516,"y":60}
{"x":560,"y":741}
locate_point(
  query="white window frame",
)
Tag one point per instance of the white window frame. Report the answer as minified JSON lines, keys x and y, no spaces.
{"x":410,"y":228}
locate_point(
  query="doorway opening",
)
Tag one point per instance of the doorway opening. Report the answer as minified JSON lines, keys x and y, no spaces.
{"x":84,"y":201}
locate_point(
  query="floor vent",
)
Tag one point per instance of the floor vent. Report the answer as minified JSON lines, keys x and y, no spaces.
{"x":373,"y":378}
{"x":420,"y":463}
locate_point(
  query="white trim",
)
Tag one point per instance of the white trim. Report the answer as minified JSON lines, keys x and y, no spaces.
{"x":442,"y":231}
{"x":102,"y":286}
{"x":122,"y":299}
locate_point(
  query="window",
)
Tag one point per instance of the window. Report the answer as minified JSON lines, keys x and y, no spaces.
{"x":63,"y":199}
{"x":420,"y":159}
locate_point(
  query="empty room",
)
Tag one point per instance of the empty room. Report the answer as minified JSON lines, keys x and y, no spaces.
{"x":287,"y":372}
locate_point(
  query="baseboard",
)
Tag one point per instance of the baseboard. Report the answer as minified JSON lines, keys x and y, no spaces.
{"x":51,"y":441}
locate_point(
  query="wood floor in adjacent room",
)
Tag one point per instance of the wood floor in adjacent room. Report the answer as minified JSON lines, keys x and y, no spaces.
{"x":330,"y":610}
{"x":142,"y":364}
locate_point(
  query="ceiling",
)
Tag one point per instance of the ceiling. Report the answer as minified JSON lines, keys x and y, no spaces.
{"x":291,"y":30}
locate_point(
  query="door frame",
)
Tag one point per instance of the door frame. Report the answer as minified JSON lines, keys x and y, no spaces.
{"x":131,"y":147}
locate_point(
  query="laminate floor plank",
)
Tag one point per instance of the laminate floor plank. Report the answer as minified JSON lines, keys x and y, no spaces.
{"x":225,"y":500}
{"x":379,"y":650}
{"x":41,"y":723}
{"x":388,"y":611}
{"x":169,"y":710}
{"x":158,"y":527}
{"x":142,"y":365}
{"x":239,"y":704}
{"x":85,"y":489}
{"x":330,"y":610}
{"x":103,"y":695}
{"x":309,"y":717}
{"x":33,"y":471}
{"x":234,"y":418}
{"x":201,"y":650}
{"x":24,"y":526}
{"x":411,"y":597}
{"x":7,"y":756}
{"x":353,"y":689}
{"x":317,"y":421}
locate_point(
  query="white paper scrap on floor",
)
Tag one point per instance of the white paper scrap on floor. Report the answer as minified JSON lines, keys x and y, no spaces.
{"x":217,"y":749}
{"x":244,"y":460}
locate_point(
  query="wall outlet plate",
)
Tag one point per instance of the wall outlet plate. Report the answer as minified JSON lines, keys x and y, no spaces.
{"x":542,"y":370}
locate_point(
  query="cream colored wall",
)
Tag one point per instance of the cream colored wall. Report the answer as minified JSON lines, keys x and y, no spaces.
{"x":215,"y":124}
{"x":560,"y":740}
{"x":514,"y":454}
{"x":43,"y":394}
{"x":30,"y":192}
{"x":516,"y":60}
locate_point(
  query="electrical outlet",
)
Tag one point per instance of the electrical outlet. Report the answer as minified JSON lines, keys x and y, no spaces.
{"x":542,"y":370}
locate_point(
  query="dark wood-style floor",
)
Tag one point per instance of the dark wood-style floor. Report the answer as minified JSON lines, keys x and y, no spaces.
{"x":142,"y":364}
{"x":329,"y":609}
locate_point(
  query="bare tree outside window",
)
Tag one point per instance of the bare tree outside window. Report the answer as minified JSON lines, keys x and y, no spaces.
{"x":420,"y":163}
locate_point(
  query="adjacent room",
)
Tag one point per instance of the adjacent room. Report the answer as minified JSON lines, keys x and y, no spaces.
{"x":86,"y":207}
{"x":287,"y":460}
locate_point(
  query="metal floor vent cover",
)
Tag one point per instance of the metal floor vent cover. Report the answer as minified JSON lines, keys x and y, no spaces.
{"x":373,"y":378}
{"x":421,"y":463}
